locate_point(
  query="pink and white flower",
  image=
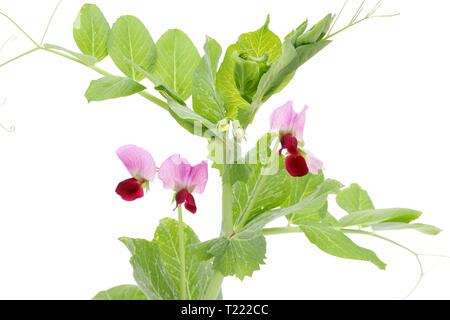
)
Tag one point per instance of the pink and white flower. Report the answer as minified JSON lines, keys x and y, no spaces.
{"x":177,"y":174}
{"x":290,"y":126}
{"x":141,"y":166}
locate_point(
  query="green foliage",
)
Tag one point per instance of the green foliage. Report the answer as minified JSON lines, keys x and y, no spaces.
{"x":301,"y":188}
{"x":255,"y":44}
{"x":336,"y":243}
{"x":123,"y":292}
{"x":424,"y":228}
{"x":206,"y":99}
{"x":353,"y":199}
{"x":177,"y":60}
{"x":157,"y":268}
{"x":315,"y":201}
{"x":111,"y":87}
{"x":297,"y":48}
{"x":91,"y":31}
{"x":129,"y":42}
{"x":375,"y":216}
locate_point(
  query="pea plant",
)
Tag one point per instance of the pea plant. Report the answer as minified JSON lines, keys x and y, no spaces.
{"x":278,"y":179}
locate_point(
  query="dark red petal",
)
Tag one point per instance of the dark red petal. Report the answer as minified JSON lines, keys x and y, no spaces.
{"x":190,"y":204}
{"x":289,"y":142}
{"x":180,"y":197}
{"x":130,"y":189}
{"x":296,"y":165}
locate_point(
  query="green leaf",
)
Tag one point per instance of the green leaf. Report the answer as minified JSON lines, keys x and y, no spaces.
{"x":254,"y":44}
{"x":336,"y":243}
{"x":129,"y":42}
{"x":206,"y":99}
{"x":123,"y":292}
{"x":424,"y":228}
{"x":227,"y":86}
{"x":198,"y":273}
{"x":91,"y":31}
{"x":260,"y":42}
{"x":111,"y":87}
{"x":263,"y":190}
{"x":241,"y":255}
{"x":301,"y":188}
{"x":353,"y":199}
{"x":283,"y":69}
{"x":246,"y":76}
{"x":150,"y":272}
{"x":177,"y":60}
{"x":375,"y":216}
{"x":314,"y":201}
{"x":190,"y":120}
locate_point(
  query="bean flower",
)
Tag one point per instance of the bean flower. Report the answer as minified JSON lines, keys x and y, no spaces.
{"x":177,"y":174}
{"x":141,"y":166}
{"x":289,"y":126}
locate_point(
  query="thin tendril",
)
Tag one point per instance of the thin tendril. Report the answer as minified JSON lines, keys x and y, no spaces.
{"x":355,"y":21}
{"x":49,"y":22}
{"x":11,"y":128}
{"x":399,"y":245}
{"x":337,"y":17}
{"x":18,"y":27}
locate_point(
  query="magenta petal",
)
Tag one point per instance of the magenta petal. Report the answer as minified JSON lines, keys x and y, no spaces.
{"x":198,"y":178}
{"x":313,"y":163}
{"x":296,"y":165}
{"x":130,"y":189}
{"x":174,"y":173}
{"x":181,"y":197}
{"x":290,"y":143}
{"x":138,"y":161}
{"x":299,"y":123}
{"x":282,"y":117}
{"x":190,"y":204}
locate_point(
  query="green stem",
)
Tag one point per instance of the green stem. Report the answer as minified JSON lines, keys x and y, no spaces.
{"x":215,"y":284}
{"x":144,"y":94}
{"x":19,"y":56}
{"x":274,"y":231}
{"x":182,"y":254}
{"x":18,"y":27}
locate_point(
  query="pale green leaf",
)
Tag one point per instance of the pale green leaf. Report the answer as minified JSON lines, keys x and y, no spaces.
{"x":129,"y":42}
{"x":241,"y":255}
{"x":353,"y":199}
{"x":149,"y":270}
{"x":123,"y":292}
{"x":197,"y":273}
{"x":177,"y":60}
{"x":255,"y":44}
{"x":91,"y":31}
{"x":301,"y":188}
{"x":375,"y":216}
{"x":314,"y":201}
{"x":424,"y":228}
{"x":227,"y":86}
{"x":260,"y":192}
{"x":206,"y":99}
{"x":336,"y":243}
{"x":111,"y":87}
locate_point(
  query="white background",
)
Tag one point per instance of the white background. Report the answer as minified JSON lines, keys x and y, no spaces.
{"x":379,"y":113}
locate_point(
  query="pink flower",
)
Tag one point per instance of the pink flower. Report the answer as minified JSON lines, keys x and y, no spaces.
{"x":290,"y":125}
{"x":177,"y":174}
{"x":141,"y":166}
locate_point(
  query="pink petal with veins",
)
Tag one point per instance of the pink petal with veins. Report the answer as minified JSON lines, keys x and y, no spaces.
{"x":138,"y":161}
